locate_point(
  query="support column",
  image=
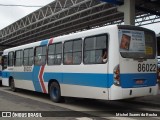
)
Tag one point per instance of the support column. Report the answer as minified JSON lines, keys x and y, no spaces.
{"x":129,"y":12}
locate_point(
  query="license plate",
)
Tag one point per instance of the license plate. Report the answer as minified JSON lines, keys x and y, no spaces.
{"x":139,"y":81}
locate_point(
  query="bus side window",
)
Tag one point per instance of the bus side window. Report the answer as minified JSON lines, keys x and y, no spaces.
{"x":28,"y":57}
{"x":55,"y":54}
{"x":77,"y":51}
{"x":40,"y":55}
{"x":31,"y":58}
{"x":18,"y":58}
{"x":96,"y":49}
{"x":73,"y":52}
{"x":10,"y":58}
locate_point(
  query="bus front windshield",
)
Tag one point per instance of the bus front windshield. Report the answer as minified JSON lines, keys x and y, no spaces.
{"x":137,"y":44}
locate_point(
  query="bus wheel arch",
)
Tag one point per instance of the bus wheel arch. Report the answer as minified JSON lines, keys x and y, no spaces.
{"x":12,"y":84}
{"x":54,"y":91}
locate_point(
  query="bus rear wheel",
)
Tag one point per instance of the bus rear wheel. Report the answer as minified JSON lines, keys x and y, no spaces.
{"x":55,"y":92}
{"x":13,"y":88}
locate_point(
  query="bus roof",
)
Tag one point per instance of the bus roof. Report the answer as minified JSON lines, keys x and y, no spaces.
{"x":81,"y":34}
{"x":71,"y":36}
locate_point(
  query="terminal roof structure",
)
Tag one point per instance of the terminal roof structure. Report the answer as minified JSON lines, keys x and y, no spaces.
{"x":66,"y":16}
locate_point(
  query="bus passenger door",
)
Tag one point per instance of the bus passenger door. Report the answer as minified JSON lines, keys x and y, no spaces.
{"x":36,"y":81}
{"x":39,"y":65}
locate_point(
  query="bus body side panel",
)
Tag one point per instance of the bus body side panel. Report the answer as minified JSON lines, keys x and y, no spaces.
{"x":22,"y":75}
{"x":5,"y":73}
{"x":5,"y":76}
{"x":88,"y":81}
{"x":115,"y":92}
{"x":23,"y":78}
{"x":84,"y":81}
{"x":78,"y":81}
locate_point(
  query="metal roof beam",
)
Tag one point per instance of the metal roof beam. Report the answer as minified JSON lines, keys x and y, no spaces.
{"x":153,"y":12}
{"x":65,"y":16}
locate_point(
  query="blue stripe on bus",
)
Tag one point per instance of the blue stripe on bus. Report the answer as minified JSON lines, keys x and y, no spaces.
{"x":23,"y":75}
{"x":84,"y":79}
{"x":88,"y":79}
{"x":6,"y":74}
{"x":36,"y":81}
{"x":0,"y":73}
{"x":129,"y":80}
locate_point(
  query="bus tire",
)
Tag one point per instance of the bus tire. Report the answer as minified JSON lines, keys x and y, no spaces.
{"x":55,"y":92}
{"x":13,"y":88}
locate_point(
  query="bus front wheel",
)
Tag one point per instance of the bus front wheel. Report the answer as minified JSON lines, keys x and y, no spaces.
{"x":55,"y":92}
{"x":12,"y":85}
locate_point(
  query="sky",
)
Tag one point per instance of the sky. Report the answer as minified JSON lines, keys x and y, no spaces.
{"x":9,"y":15}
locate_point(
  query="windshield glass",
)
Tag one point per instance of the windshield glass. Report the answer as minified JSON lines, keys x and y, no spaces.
{"x":137,"y":44}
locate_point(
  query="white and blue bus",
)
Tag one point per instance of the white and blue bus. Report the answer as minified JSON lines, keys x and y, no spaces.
{"x":158,"y":57}
{"x":1,"y":52}
{"x":108,"y":63}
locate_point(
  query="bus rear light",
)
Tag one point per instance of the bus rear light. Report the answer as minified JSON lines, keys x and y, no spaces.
{"x":116,"y":75}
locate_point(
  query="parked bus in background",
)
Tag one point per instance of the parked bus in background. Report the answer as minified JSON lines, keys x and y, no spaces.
{"x":158,"y":49}
{"x":1,"y":65}
{"x":158,"y":56}
{"x":108,"y":63}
